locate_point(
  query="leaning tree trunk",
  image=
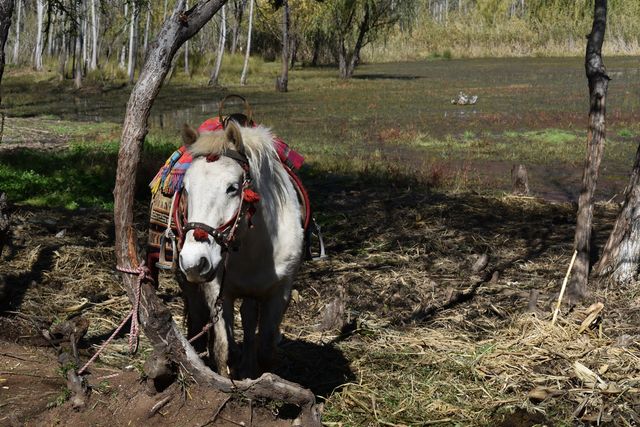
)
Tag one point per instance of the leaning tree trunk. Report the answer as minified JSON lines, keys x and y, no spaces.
{"x":245,"y":68}
{"x":222,"y":41}
{"x":598,"y":83}
{"x":155,"y":317}
{"x":282,"y":81}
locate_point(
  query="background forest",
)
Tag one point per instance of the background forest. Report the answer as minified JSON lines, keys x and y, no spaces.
{"x":108,"y":38}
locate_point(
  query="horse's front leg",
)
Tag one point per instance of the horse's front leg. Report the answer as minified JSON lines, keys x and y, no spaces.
{"x":271,"y":313}
{"x":249,"y":313}
{"x":196,"y":311}
{"x":222,"y":345}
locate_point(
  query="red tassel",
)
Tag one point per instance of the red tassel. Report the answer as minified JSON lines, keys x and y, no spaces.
{"x":250,"y":196}
{"x":200,"y":235}
{"x":212,"y":158}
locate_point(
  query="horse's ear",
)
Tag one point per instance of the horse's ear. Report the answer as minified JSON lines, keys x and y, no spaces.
{"x":189,"y":135}
{"x":234,"y":135}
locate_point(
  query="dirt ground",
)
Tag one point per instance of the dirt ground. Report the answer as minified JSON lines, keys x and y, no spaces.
{"x":422,"y":339}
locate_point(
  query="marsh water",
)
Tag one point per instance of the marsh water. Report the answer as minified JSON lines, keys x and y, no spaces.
{"x":413,"y":98}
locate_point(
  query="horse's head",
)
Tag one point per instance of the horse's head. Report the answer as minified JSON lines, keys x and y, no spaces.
{"x":214,"y":185}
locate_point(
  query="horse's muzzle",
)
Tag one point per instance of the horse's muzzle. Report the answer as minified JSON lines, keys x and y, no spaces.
{"x":199,"y":272}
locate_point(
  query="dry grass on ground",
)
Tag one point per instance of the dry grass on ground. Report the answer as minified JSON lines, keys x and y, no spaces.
{"x":424,"y":340}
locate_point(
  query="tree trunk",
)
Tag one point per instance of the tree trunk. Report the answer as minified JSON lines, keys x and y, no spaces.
{"x":598,"y":82}
{"x":186,"y":50}
{"x":16,"y":44}
{"x":282,"y":81}
{"x":621,"y":254}
{"x":155,"y":317}
{"x":123,"y":50}
{"x":133,"y":42}
{"x":238,"y":12}
{"x":147,"y":25}
{"x":83,"y":36}
{"x":94,"y":36}
{"x":37,"y":56}
{"x":77,"y":76}
{"x":245,"y":68}
{"x":222,"y":40}
{"x":6,"y":10}
{"x":347,"y":63}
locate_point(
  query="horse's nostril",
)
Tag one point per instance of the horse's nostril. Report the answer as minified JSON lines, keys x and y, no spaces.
{"x":203,"y":265}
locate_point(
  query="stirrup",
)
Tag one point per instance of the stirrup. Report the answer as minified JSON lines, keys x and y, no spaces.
{"x":163,"y":263}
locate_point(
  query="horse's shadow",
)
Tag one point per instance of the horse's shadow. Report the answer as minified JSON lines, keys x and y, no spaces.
{"x":321,"y":368}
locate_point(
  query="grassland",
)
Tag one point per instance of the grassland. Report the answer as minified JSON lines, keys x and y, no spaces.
{"x":409,"y":188}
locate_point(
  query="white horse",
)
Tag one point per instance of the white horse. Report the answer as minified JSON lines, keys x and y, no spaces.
{"x":235,"y":247}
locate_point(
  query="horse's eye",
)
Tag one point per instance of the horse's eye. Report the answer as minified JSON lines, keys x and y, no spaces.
{"x":232,"y":189}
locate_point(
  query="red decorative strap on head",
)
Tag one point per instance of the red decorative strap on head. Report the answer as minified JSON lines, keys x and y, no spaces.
{"x":250,"y":196}
{"x":200,"y":235}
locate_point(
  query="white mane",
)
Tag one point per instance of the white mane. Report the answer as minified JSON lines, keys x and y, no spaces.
{"x":269,"y":176}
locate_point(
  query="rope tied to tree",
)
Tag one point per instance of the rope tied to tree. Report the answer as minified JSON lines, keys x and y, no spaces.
{"x":143,"y":273}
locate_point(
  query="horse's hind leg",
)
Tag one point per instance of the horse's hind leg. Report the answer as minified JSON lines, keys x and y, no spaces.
{"x":249,"y":312}
{"x":271,"y":313}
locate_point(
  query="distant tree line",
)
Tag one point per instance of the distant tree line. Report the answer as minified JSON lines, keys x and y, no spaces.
{"x":78,"y":37}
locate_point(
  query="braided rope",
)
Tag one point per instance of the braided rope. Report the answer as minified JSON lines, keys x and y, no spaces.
{"x":143,"y":272}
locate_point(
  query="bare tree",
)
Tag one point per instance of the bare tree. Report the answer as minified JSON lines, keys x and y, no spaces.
{"x":245,"y":68}
{"x":155,"y":317}
{"x":598,"y":83}
{"x":222,"y":39}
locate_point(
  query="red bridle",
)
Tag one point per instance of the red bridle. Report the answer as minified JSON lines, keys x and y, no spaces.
{"x":224,"y":234}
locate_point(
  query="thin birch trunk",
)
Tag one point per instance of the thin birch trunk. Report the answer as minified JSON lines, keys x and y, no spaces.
{"x":51,"y":35}
{"x":598,"y":83}
{"x":245,"y":68}
{"x":37,"y":58}
{"x":133,"y":42}
{"x":77,"y":78}
{"x":282,"y":81}
{"x":238,"y":12}
{"x":222,"y":40}
{"x":16,"y":44}
{"x":186,"y":51}
{"x":123,"y":51}
{"x":94,"y":36}
{"x":84,"y":36}
{"x":147,"y":24}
